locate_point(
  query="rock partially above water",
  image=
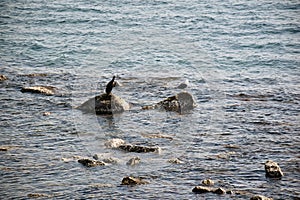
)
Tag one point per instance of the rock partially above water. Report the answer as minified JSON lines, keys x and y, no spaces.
{"x":203,"y":189}
{"x":181,"y":103}
{"x":90,"y":163}
{"x":46,"y":90}
{"x":260,"y":197}
{"x":139,"y":149}
{"x":208,"y":182}
{"x":273,"y":170}
{"x":114,"y":143}
{"x":2,"y":78}
{"x":133,"y":161}
{"x":105,"y":104}
{"x":133,"y":181}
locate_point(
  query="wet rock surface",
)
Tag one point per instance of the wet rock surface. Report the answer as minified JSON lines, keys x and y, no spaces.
{"x":138,"y":149}
{"x":3,"y":77}
{"x":104,"y":104}
{"x":273,"y":170}
{"x":181,"y":103}
{"x":133,"y":161}
{"x":46,"y":90}
{"x":133,"y":181}
{"x":90,"y":163}
{"x":260,"y":197}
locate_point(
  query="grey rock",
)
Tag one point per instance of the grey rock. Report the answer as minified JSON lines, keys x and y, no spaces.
{"x":181,"y":103}
{"x":133,"y":161}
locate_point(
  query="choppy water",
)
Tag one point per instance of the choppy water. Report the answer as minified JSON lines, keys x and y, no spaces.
{"x":240,"y":57}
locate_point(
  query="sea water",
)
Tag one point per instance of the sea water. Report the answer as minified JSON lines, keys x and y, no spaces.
{"x":241,"y":59}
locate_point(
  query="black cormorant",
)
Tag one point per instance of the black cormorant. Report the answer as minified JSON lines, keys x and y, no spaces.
{"x":110,"y":86}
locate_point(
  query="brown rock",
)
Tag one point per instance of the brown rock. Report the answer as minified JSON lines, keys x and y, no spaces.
{"x":202,"y":189}
{"x":133,"y":181}
{"x":46,"y":90}
{"x":208,"y":182}
{"x":2,"y":78}
{"x":90,"y":163}
{"x":273,"y":170}
{"x":260,"y":197}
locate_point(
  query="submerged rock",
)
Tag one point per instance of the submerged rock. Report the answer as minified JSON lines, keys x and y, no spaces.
{"x":2,"y":78}
{"x":90,"y":163}
{"x":175,"y":161}
{"x":105,"y":104}
{"x":133,"y":161}
{"x":181,"y":103}
{"x":133,"y":181}
{"x":46,"y":90}
{"x":139,"y":149}
{"x":273,"y":170}
{"x":260,"y":197}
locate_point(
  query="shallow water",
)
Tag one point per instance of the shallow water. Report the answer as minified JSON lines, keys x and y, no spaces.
{"x":242,"y":63}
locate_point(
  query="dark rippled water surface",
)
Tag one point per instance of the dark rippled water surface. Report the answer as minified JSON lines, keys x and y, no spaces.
{"x":242,"y":62}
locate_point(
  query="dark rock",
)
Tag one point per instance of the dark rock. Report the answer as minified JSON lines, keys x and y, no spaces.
{"x":105,"y":104}
{"x":90,"y":163}
{"x":133,"y":161}
{"x":138,"y":149}
{"x":2,"y":78}
{"x":133,"y":181}
{"x":260,"y":197}
{"x":181,"y":103}
{"x":273,"y":170}
{"x":219,"y":191}
{"x":47,"y":90}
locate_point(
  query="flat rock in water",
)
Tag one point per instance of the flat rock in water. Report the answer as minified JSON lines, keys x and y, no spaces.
{"x":181,"y":103}
{"x":105,"y":104}
{"x":133,"y":181}
{"x":273,"y":170}
{"x":260,"y":197}
{"x":90,"y":163}
{"x":138,"y":149}
{"x":204,"y":189}
{"x":46,"y":90}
